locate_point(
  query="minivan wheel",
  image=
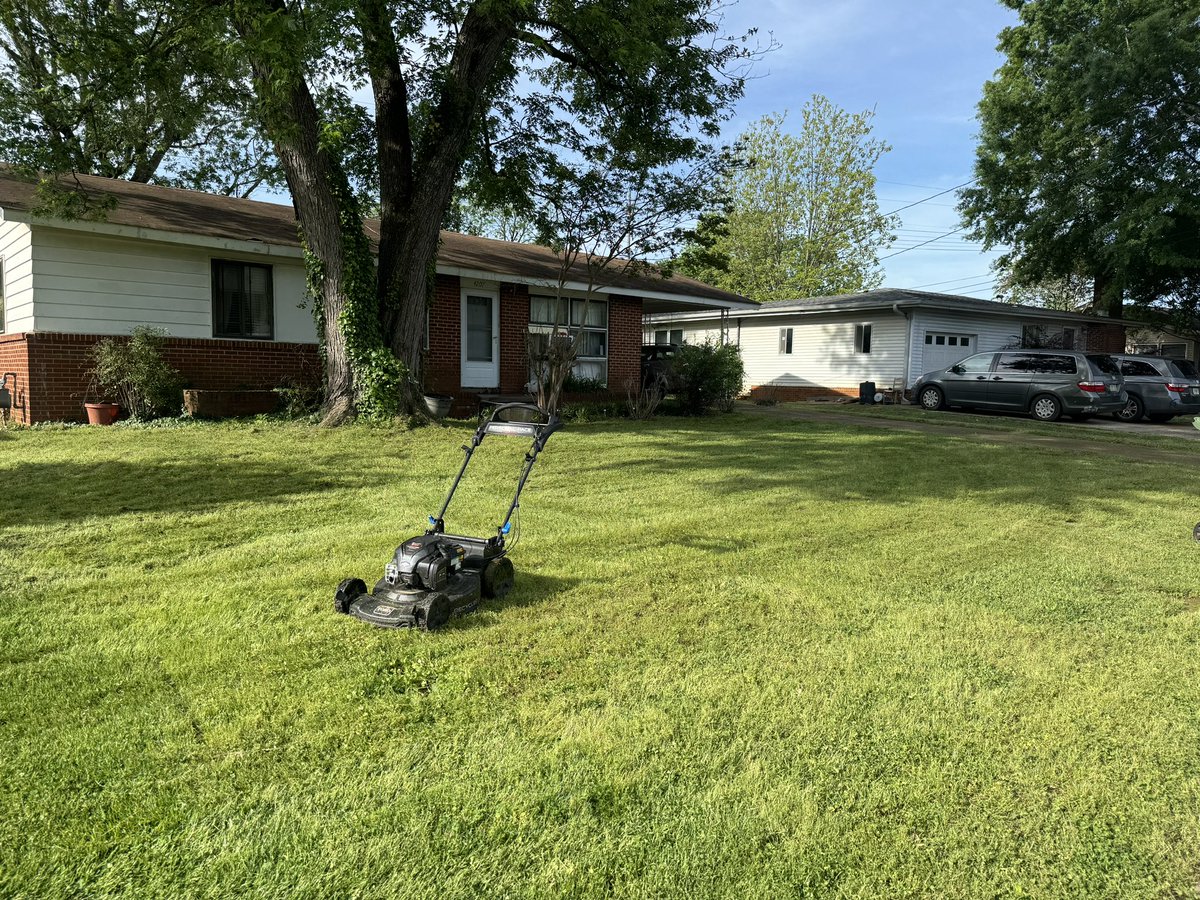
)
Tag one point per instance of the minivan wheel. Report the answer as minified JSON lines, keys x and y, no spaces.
{"x":1046,"y":408}
{"x":1133,"y":410}
{"x":931,"y":398}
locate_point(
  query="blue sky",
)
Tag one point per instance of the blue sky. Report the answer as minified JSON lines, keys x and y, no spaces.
{"x":921,"y":65}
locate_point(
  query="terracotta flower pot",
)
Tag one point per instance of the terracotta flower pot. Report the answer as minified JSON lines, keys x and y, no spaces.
{"x":101,"y":413}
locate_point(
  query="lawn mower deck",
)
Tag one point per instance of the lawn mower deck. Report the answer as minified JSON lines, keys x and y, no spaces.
{"x":435,"y":576}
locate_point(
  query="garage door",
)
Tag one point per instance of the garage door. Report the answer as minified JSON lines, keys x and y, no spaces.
{"x":943,"y":348}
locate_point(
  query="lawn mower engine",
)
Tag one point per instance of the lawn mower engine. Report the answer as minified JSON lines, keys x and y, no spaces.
{"x":427,"y":561}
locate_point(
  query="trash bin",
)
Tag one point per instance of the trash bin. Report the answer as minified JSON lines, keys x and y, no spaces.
{"x":866,"y":393}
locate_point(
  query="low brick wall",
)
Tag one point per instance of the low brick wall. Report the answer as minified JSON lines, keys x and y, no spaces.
{"x":781,"y":393}
{"x":14,"y":358}
{"x":57,"y":366}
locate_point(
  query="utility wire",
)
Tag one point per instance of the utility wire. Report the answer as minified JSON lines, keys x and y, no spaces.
{"x":952,"y":281}
{"x":923,"y":243}
{"x":930,"y":197}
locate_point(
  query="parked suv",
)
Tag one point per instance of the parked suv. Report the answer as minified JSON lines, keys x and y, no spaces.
{"x":1044,"y":383}
{"x":1159,"y":389}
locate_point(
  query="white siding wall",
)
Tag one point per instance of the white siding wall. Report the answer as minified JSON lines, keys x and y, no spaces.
{"x":98,"y":284}
{"x":16,"y":252}
{"x":823,"y":352}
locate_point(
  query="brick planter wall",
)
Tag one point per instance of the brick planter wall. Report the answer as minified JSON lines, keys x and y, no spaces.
{"x":58,"y":364}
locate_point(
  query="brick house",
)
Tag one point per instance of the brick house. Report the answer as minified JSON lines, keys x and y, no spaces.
{"x":225,"y":278}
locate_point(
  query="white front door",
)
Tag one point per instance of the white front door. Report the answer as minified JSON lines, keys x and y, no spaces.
{"x":480,"y":339}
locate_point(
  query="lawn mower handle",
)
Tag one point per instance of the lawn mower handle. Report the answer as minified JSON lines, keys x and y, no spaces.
{"x":539,"y":430}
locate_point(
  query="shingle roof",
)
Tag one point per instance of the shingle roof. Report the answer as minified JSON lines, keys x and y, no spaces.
{"x":192,"y":212}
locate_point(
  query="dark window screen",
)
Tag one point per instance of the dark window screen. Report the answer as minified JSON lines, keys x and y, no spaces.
{"x":1186,"y":369}
{"x":1038,"y":363}
{"x":1103,"y":363}
{"x":243,"y":300}
{"x":1138,"y":367}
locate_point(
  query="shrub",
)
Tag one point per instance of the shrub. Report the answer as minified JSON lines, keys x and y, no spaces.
{"x":709,"y":375}
{"x":133,"y":370}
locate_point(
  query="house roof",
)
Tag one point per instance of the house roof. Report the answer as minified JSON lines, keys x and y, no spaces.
{"x":163,"y":209}
{"x":887,"y":298}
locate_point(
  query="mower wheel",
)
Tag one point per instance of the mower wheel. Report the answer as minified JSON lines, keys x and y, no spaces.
{"x":498,"y":577}
{"x":437,"y":612}
{"x":347,"y":592}
{"x":1196,"y":531}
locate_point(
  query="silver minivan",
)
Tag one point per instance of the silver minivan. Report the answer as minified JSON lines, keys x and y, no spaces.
{"x":1159,"y":388}
{"x":1043,"y":383}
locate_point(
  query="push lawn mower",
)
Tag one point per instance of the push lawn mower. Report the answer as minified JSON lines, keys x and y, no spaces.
{"x":436,"y":575}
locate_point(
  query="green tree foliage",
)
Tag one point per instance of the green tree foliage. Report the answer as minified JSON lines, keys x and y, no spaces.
{"x":135,"y":89}
{"x":709,"y":375}
{"x":801,"y":217}
{"x":510,"y":97}
{"x":1088,"y":149}
{"x":1070,"y":293}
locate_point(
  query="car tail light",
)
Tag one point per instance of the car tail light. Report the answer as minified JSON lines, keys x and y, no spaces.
{"x":1177,"y":388}
{"x":1093,"y":387}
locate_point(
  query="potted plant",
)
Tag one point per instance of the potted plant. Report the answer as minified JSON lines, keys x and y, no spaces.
{"x":438,"y":405}
{"x":134,"y":371}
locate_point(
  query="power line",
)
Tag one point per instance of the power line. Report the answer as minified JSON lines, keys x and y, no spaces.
{"x":923,"y":243}
{"x":952,"y":280}
{"x":930,"y":197}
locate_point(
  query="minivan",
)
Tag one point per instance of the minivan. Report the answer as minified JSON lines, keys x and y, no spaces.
{"x":1044,"y":383}
{"x":1158,"y":388}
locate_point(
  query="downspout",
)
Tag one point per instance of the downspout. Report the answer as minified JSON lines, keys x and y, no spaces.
{"x":907,"y":340}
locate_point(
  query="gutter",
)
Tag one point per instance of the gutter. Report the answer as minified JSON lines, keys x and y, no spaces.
{"x":907,"y":340}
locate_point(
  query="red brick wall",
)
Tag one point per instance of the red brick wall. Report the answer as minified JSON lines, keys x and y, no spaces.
{"x":514,"y":326}
{"x":58,"y":365}
{"x":787,"y":394}
{"x":14,"y":357}
{"x":443,"y":365}
{"x":624,"y":342}
{"x":1106,"y":338}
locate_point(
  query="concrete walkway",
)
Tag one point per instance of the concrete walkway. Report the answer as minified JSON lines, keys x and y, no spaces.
{"x":1074,"y":438}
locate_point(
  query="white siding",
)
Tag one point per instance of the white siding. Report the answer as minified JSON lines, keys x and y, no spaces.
{"x":98,"y":284}
{"x":823,"y":350}
{"x":16,"y":253}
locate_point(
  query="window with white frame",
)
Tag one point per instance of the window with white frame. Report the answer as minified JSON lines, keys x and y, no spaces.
{"x":568,"y":315}
{"x":862,"y":338}
{"x":785,"y":340}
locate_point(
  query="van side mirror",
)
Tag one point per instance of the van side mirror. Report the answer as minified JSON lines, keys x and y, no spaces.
{"x":957,"y":369}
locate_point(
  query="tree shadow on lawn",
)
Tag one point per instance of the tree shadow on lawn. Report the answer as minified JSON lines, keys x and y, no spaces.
{"x":51,"y":493}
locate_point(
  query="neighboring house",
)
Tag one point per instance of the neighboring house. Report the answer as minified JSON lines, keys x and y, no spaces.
{"x":1161,"y":343}
{"x":827,"y":346}
{"x":225,"y":278}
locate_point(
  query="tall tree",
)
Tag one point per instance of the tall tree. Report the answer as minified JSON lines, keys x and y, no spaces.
{"x":1070,"y":293}
{"x":133,"y":89}
{"x":1089,"y":147}
{"x":800,"y":216}
{"x":504,"y":93}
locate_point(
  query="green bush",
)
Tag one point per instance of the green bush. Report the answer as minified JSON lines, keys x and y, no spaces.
{"x":708,"y":375}
{"x":134,"y":372}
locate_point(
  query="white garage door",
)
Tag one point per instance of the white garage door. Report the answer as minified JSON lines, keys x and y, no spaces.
{"x":944,"y":349}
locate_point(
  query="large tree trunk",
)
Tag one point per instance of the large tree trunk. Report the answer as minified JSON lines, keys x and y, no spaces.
{"x":293,"y":123}
{"x":413,"y":207}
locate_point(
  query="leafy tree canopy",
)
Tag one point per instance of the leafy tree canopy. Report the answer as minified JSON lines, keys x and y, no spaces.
{"x":800,"y":216}
{"x":1088,"y":153}
{"x":136,"y":89}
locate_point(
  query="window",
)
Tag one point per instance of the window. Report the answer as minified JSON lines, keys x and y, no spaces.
{"x":587,"y":317}
{"x":662,"y":337}
{"x":1,"y":296}
{"x":1138,"y":369}
{"x":785,"y":340}
{"x":1039,"y":363}
{"x":862,"y":338}
{"x":243,"y":300}
{"x":942,"y":340}
{"x":979,"y":364}
{"x":677,"y":336}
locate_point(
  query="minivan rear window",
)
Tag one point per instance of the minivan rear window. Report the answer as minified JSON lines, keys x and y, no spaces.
{"x":1105,"y":364}
{"x":1185,"y":368}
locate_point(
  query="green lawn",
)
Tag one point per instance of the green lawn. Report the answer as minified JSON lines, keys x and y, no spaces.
{"x":744,"y":658}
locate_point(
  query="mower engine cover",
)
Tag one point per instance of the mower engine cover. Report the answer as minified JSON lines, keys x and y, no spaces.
{"x":428,"y":562}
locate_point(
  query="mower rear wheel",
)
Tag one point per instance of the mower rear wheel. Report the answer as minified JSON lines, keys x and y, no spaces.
{"x":498,"y":577}
{"x":347,"y":592}
{"x":437,"y":612}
